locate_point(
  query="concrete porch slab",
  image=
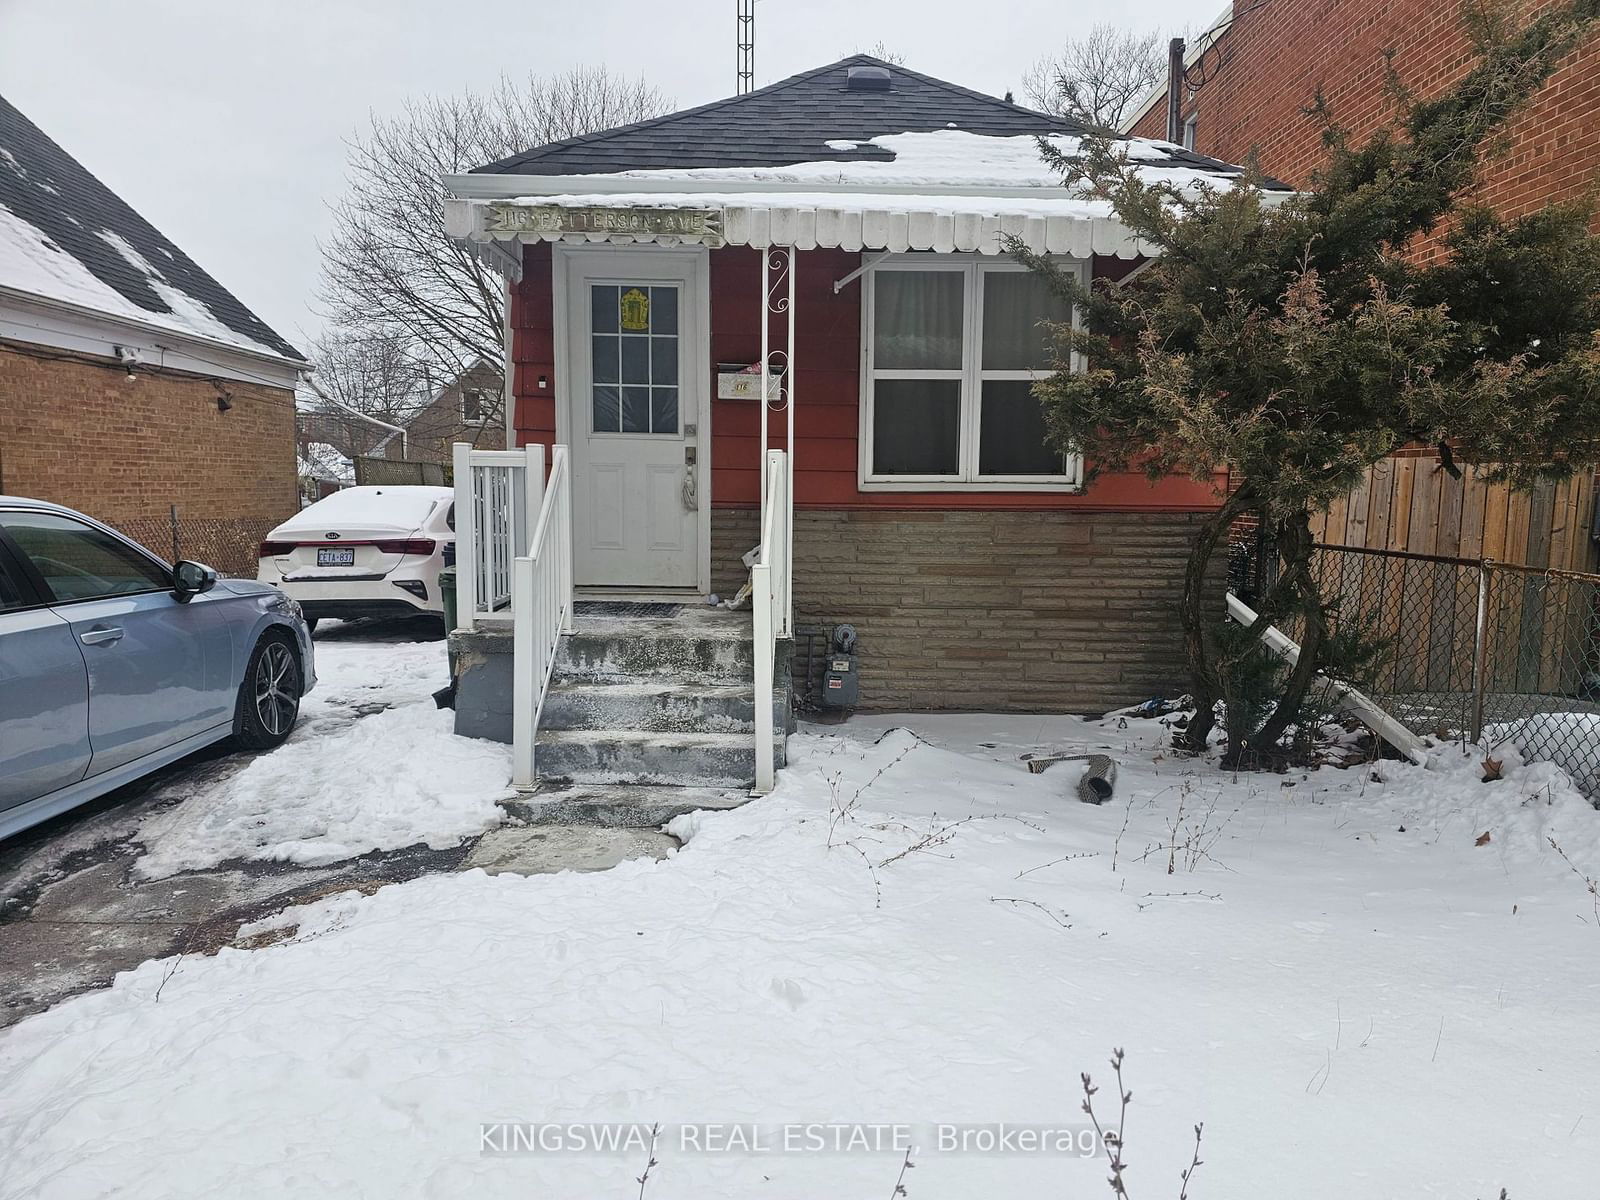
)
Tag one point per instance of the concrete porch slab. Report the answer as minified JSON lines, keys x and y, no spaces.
{"x":547,"y":849}
{"x":622,"y":806}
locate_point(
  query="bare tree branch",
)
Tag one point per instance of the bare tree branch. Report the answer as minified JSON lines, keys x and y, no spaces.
{"x":1098,"y":78}
{"x":391,"y":278}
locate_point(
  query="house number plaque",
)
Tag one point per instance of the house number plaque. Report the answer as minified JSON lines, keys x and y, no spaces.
{"x":700,"y":223}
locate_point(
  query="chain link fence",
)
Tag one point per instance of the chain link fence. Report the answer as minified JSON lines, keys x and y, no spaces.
{"x":225,"y":543}
{"x":1460,"y":649}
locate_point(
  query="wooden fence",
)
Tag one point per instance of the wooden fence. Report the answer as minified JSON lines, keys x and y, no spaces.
{"x":394,"y":471}
{"x":1410,"y":503}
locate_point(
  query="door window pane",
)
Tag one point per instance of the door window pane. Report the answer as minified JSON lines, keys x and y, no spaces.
{"x":664,"y":361}
{"x":1011,"y":432}
{"x":663,"y":410}
{"x":635,"y":410}
{"x":635,"y":359}
{"x":607,"y":410}
{"x":1014,"y":303}
{"x":664,"y":310}
{"x":917,"y":320}
{"x":79,"y":562}
{"x":916,"y":426}
{"x":603,"y":303}
{"x":607,"y":348}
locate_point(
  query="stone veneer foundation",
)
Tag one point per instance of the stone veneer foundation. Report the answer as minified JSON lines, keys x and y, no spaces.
{"x":989,"y":611}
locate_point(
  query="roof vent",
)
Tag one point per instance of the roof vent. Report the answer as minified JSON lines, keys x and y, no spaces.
{"x":868,"y":79}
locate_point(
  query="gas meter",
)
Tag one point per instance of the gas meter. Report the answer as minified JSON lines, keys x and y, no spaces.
{"x":841,"y":684}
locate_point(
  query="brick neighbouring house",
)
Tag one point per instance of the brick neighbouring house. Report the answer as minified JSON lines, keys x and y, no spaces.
{"x":1248,"y":82}
{"x":979,"y":569}
{"x":130,"y":380}
{"x":467,"y":409}
{"x":1263,"y":66}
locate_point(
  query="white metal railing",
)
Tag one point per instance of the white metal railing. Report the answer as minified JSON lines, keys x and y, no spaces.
{"x":772,"y":616}
{"x":541,"y":611}
{"x":497,"y":505}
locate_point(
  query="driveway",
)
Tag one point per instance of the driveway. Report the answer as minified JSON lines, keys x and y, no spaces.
{"x":76,"y":906}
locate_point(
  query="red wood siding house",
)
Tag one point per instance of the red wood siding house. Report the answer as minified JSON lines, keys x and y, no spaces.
{"x":996,"y":590}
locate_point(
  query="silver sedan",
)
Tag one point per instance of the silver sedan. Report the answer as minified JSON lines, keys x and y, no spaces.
{"x":113,"y":663}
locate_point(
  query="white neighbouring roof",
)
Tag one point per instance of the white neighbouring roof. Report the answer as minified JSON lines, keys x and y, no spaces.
{"x":946,"y":190}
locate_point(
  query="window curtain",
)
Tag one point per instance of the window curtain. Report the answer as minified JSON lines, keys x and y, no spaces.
{"x":917,"y":320}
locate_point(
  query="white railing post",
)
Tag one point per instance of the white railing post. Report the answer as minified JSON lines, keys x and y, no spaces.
{"x":778,"y":554}
{"x":524,"y":729}
{"x":564,"y":537}
{"x":532,"y":495}
{"x":761,"y":616}
{"x":466,"y":539}
{"x":541,"y":605}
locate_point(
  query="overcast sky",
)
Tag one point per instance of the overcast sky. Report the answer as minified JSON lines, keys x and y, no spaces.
{"x":222,"y":121}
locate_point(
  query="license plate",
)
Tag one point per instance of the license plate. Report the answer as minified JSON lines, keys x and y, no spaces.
{"x":336,"y":556}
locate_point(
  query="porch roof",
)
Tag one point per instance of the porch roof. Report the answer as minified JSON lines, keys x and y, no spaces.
{"x":943,"y":190}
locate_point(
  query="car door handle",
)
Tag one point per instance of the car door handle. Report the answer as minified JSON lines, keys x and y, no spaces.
{"x":102,"y":636}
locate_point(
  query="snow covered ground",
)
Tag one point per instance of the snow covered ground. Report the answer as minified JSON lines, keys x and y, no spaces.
{"x":372,"y":765}
{"x":1370,"y":983}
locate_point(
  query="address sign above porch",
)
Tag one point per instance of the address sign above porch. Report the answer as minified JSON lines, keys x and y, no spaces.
{"x":696,"y":224}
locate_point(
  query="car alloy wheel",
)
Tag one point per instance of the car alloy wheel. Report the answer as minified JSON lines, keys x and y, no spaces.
{"x":275,"y":697}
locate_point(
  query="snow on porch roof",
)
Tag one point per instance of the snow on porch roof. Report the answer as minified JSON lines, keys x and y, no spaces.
{"x":945,"y":190}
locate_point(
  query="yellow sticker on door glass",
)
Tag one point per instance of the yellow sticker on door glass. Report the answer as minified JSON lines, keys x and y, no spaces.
{"x":635,"y":311}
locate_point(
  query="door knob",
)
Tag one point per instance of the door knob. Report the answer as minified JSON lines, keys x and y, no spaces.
{"x":99,"y":637}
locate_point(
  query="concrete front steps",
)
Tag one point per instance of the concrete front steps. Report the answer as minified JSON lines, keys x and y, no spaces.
{"x":656,"y":703}
{"x":646,"y":718}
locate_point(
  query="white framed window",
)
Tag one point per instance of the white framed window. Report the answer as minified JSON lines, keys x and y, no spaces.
{"x":951,"y":346}
{"x":1190,"y":128}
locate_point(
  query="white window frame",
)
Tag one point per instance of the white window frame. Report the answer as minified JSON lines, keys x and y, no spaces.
{"x":974,"y":268}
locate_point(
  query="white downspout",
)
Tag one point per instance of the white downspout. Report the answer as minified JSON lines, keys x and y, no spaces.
{"x":400,"y":429}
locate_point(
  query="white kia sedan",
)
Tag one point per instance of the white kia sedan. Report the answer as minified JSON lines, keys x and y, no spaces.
{"x":364,"y":552}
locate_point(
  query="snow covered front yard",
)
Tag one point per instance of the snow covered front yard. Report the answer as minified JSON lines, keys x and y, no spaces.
{"x":372,"y":765}
{"x":1358,"y":992}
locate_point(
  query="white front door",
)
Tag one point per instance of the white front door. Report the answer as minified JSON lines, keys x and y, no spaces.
{"x":637,"y":370}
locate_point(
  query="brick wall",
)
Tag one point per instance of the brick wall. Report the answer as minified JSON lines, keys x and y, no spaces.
{"x":1276,"y":56}
{"x":124,"y":450}
{"x":991,"y":611}
{"x":433,"y":431}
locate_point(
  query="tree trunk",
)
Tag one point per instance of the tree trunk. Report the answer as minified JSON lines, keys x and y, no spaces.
{"x":1296,"y":544}
{"x":1205,"y":680}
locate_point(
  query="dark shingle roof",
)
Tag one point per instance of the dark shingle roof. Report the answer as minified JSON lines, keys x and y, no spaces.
{"x":789,"y":122}
{"x":73,"y":211}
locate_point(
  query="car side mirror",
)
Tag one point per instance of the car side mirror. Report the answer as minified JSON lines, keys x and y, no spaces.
{"x":189,"y":579}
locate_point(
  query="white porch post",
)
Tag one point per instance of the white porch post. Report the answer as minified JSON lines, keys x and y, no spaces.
{"x":766,"y":352}
{"x":785,"y":305}
{"x":466,"y":539}
{"x":787,"y":600}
